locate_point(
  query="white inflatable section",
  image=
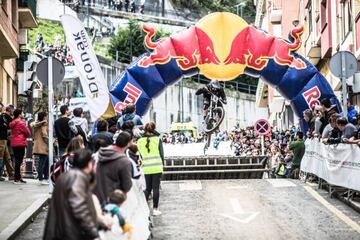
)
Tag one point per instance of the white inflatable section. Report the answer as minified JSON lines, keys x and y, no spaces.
{"x":196,"y":149}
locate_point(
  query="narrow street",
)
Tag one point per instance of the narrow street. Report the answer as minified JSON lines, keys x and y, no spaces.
{"x":243,"y":209}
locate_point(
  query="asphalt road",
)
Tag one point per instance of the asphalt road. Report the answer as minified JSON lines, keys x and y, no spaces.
{"x":244,"y":209}
{"x":249,"y":209}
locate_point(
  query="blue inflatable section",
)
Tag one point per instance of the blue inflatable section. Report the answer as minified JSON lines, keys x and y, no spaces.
{"x":304,"y":88}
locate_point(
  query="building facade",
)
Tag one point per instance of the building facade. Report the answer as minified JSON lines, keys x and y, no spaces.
{"x":15,"y":17}
{"x":330,"y":26}
{"x":179,"y":103}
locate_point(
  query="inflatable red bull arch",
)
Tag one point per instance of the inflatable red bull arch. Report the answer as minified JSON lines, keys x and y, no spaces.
{"x":222,"y":46}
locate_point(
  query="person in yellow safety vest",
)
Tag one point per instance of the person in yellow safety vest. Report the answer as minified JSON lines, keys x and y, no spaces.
{"x":281,"y":170}
{"x":152,"y":154}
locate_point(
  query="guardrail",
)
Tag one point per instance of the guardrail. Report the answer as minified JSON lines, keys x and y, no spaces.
{"x":101,"y":11}
{"x":214,"y":167}
{"x":337,"y":167}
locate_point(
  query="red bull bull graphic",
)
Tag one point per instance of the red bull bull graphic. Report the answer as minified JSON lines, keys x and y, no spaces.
{"x":222,"y":46}
{"x":255,"y":48}
{"x":186,"y":53}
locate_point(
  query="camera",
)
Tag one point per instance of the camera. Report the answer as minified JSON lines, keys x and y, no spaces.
{"x":334,"y":141}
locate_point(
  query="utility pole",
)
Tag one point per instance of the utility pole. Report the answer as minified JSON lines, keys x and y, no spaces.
{"x":163,"y":8}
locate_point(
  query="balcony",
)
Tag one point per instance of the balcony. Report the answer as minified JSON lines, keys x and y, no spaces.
{"x":8,"y":46}
{"x":27,"y":14}
{"x":312,"y":49}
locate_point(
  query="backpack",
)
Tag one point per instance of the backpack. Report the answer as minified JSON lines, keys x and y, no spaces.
{"x":76,"y":130}
{"x":60,"y":166}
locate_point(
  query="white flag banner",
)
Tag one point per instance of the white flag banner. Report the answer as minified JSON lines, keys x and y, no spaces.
{"x":90,"y":74}
{"x":338,"y":164}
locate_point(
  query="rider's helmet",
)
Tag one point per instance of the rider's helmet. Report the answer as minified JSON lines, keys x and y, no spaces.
{"x":215,"y":85}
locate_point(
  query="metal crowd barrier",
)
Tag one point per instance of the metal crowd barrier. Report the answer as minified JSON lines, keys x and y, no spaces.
{"x":214,"y":167}
{"x":348,"y":196}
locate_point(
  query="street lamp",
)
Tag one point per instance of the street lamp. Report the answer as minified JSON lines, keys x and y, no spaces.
{"x":240,"y":5}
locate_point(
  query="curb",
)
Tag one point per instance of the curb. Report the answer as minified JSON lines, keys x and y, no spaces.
{"x":16,"y":226}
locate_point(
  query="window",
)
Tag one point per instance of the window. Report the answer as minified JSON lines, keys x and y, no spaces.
{"x":171,"y":118}
{"x":310,"y":22}
{"x":323,"y":14}
{"x":8,"y":87}
{"x":4,"y":5}
{"x":346,"y":18}
{"x":190,"y":103}
{"x":14,"y":13}
{"x":154,"y":116}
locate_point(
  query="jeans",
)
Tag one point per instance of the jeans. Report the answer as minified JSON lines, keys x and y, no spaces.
{"x":153,"y":183}
{"x":43,"y":167}
{"x":19,"y":153}
{"x":1,"y":167}
{"x":6,"y":159}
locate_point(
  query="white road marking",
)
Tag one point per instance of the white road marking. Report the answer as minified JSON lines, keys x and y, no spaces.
{"x":281,"y":183}
{"x":190,"y":186}
{"x":333,"y":209}
{"x":241,"y":220}
{"x":236,"y":205}
{"x":239,"y":215}
{"x":237,"y":187}
{"x":311,"y":184}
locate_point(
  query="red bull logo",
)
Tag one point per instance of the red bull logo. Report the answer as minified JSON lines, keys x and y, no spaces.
{"x":186,"y":50}
{"x":255,"y":48}
{"x":133,"y":94}
{"x":312,"y":96}
{"x":222,"y":47}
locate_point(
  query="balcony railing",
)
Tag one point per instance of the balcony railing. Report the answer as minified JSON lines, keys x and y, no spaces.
{"x":28,"y":4}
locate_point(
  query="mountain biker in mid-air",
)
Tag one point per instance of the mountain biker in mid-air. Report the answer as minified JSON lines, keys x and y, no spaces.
{"x":214,"y":87}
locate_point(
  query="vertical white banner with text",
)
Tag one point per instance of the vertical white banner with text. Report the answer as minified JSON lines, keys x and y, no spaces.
{"x":90,"y":74}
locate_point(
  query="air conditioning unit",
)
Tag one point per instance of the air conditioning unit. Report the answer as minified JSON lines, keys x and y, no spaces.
{"x":37,"y":93}
{"x":22,"y":36}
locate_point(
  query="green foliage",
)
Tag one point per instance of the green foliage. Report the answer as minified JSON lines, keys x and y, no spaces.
{"x":48,"y":29}
{"x":209,"y":6}
{"x":128,"y":42}
{"x":101,"y":49}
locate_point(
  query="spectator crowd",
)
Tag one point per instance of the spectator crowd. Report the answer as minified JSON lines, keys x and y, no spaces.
{"x":92,"y":174}
{"x":285,"y":148}
{"x":118,"y":5}
{"x":56,"y":49}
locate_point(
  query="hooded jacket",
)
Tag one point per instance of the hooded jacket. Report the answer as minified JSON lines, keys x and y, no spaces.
{"x":113,"y":171}
{"x":41,"y":138}
{"x":19,"y":133}
{"x":78,"y":121}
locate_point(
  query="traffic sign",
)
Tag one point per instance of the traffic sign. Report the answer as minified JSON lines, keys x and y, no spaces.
{"x":58,"y":71}
{"x":343,"y":64}
{"x":262,"y":127}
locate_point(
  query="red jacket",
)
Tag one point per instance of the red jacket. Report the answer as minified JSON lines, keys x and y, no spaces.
{"x":19,"y":133}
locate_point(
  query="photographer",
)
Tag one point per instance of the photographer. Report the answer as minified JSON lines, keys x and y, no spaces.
{"x":326,"y":135}
{"x":355,"y":139}
{"x":342,"y":132}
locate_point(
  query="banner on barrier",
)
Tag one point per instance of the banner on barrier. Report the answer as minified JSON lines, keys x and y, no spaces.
{"x":337,"y":164}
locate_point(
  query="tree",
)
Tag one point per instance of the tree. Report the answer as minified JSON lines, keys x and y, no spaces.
{"x":129,"y":42}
